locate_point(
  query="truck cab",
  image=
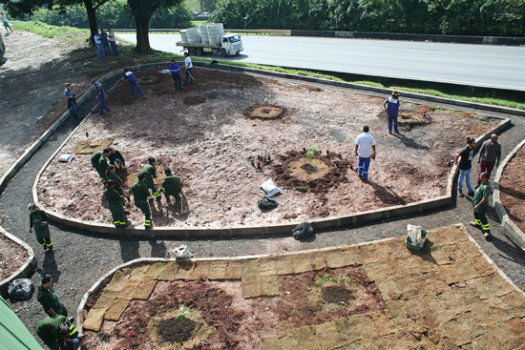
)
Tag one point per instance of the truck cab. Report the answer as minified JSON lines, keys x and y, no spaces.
{"x":231,"y":44}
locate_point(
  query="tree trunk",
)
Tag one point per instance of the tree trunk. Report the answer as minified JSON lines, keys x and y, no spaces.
{"x":142,"y":23}
{"x":92,"y":18}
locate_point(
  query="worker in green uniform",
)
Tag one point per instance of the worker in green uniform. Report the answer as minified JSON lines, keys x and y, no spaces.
{"x":150,"y":172}
{"x":57,"y":333}
{"x":103,"y":164}
{"x":112,"y":175}
{"x":50,"y":300}
{"x":480,"y":201}
{"x":141,"y":194}
{"x":115,"y":205}
{"x":171,"y":186}
{"x":38,"y":221}
{"x":95,"y":158}
{"x":116,"y":158}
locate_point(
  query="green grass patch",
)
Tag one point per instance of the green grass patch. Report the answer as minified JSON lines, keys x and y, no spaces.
{"x":324,"y":280}
{"x":48,"y":31}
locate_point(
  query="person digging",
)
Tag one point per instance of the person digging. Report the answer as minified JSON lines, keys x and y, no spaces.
{"x":480,"y":201}
{"x":50,"y":300}
{"x":38,"y":221}
{"x":115,"y":158}
{"x":112,"y":175}
{"x":58,"y":333}
{"x":140,"y":195}
{"x":171,"y":187}
{"x":103,"y":163}
{"x":95,"y":158}
{"x":116,"y":205}
{"x":150,"y":172}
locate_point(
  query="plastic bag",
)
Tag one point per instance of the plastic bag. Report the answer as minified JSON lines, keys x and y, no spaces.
{"x":20,"y":289}
{"x":269,"y":187}
{"x":414,"y":234}
{"x":267,"y":203}
{"x":182,"y":252}
{"x":302,"y":231}
{"x":66,"y":158}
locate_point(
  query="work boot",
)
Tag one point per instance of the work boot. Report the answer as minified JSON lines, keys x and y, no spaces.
{"x":460,"y":192}
{"x":487,"y":235}
{"x":473,"y":224}
{"x":470,"y":194}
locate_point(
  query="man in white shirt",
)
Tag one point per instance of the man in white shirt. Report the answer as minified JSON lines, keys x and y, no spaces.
{"x":189,"y":68}
{"x":98,"y":44}
{"x":365,"y":148}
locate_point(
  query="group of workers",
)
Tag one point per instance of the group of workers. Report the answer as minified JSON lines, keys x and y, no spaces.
{"x":106,"y":163}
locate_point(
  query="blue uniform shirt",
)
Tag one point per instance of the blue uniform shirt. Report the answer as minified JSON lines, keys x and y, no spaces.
{"x":174,"y":68}
{"x":130,"y":77}
{"x":392,"y":107}
{"x":100,"y":88}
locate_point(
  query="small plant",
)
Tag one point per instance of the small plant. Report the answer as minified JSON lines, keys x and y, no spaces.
{"x":346,"y":279}
{"x":324,"y":280}
{"x":181,"y":315}
{"x":269,"y":100}
{"x":310,"y":154}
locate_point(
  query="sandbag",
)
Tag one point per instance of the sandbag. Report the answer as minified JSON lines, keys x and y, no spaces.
{"x":267,"y":203}
{"x":302,"y":231}
{"x":20,"y":289}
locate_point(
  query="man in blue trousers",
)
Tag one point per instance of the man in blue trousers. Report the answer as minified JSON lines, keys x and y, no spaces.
{"x":133,"y":83}
{"x":365,"y":148}
{"x":101,"y":96}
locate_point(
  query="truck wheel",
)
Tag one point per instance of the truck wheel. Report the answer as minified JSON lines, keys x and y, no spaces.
{"x":223,"y":53}
{"x":191,"y":51}
{"x":198,"y":52}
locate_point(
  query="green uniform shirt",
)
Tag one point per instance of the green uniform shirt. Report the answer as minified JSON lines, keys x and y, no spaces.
{"x":50,"y":327}
{"x":117,"y":179}
{"x":484,"y":191}
{"x":114,"y":156}
{"x":113,"y":196}
{"x":102,"y":165}
{"x":49,"y":300}
{"x":150,"y":170}
{"x":95,"y":158}
{"x":36,"y":219}
{"x":140,"y":191}
{"x":172,"y":185}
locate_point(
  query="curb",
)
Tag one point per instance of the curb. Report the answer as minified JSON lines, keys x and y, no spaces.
{"x":249,"y":231}
{"x":102,"y":282}
{"x":25,"y":270}
{"x":511,"y":229}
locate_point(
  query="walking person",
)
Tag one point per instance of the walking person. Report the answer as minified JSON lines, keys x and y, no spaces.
{"x":465,"y":166}
{"x":50,"y":300}
{"x":189,"y":68}
{"x":98,"y":44}
{"x":171,"y":186}
{"x":150,"y":172}
{"x":480,"y":202}
{"x":38,"y":221}
{"x":8,"y":28}
{"x":175,"y":74}
{"x":70,"y":98}
{"x":489,"y":156}
{"x":140,"y":195}
{"x":116,"y":205}
{"x":365,"y":148}
{"x":112,"y":42}
{"x":133,"y":83}
{"x":391,"y":106}
{"x":105,"y":42}
{"x":101,"y":97}
{"x":58,"y":333}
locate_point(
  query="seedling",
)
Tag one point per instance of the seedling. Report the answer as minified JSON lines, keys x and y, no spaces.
{"x":324,"y":280}
{"x":310,"y":154}
{"x":268,"y":100}
{"x":346,"y":279}
{"x":181,"y":315}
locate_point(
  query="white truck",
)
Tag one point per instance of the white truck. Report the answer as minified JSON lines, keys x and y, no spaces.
{"x":210,"y":38}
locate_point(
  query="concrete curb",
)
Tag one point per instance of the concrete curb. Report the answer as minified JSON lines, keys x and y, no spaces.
{"x":103,"y":281}
{"x":247,"y":231}
{"x":511,"y":229}
{"x":25,"y":270}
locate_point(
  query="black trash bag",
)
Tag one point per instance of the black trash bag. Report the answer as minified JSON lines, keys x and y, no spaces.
{"x":267,"y":203}
{"x":20,"y":289}
{"x":302,"y":231}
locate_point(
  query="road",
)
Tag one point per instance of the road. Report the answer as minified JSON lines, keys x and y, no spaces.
{"x":478,"y":65}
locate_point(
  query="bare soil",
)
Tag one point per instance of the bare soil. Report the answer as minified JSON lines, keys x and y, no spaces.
{"x":12,"y":257}
{"x":209,"y":144}
{"x":512,"y":188}
{"x":235,"y":322}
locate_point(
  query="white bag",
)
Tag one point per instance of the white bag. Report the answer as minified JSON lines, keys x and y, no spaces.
{"x":182,"y":252}
{"x":414,"y":233}
{"x":269,"y":187}
{"x":66,"y":158}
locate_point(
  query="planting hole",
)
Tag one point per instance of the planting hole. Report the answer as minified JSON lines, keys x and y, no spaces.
{"x":175,"y":330}
{"x":309,"y":168}
{"x":337,"y":295}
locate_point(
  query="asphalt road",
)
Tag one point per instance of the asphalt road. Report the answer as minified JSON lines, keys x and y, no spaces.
{"x":478,"y":65}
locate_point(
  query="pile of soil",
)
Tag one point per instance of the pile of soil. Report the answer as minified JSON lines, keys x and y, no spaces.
{"x":512,"y":188}
{"x":12,"y":257}
{"x":265,"y":111}
{"x":409,"y":117}
{"x":235,"y":322}
{"x":315,"y":175}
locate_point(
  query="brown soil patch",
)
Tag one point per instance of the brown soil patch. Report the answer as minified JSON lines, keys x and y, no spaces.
{"x":90,"y":147}
{"x":512,"y":188}
{"x":12,"y":257}
{"x":265,"y":111}
{"x":209,"y":145}
{"x":314,"y":175}
{"x":193,"y":100}
{"x":410,"y":117}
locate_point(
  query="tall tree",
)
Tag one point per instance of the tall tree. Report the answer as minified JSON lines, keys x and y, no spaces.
{"x":142,"y":11}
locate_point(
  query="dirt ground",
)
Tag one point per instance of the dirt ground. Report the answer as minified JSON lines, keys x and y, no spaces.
{"x":512,"y":188}
{"x":12,"y":257}
{"x":209,"y":146}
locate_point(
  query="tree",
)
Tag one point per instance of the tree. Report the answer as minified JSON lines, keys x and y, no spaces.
{"x":142,"y":11}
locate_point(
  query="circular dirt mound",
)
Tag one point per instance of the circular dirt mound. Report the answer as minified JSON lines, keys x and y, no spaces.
{"x":265,"y":111}
{"x":316,"y":175}
{"x":193,"y":100}
{"x":409,"y":118}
